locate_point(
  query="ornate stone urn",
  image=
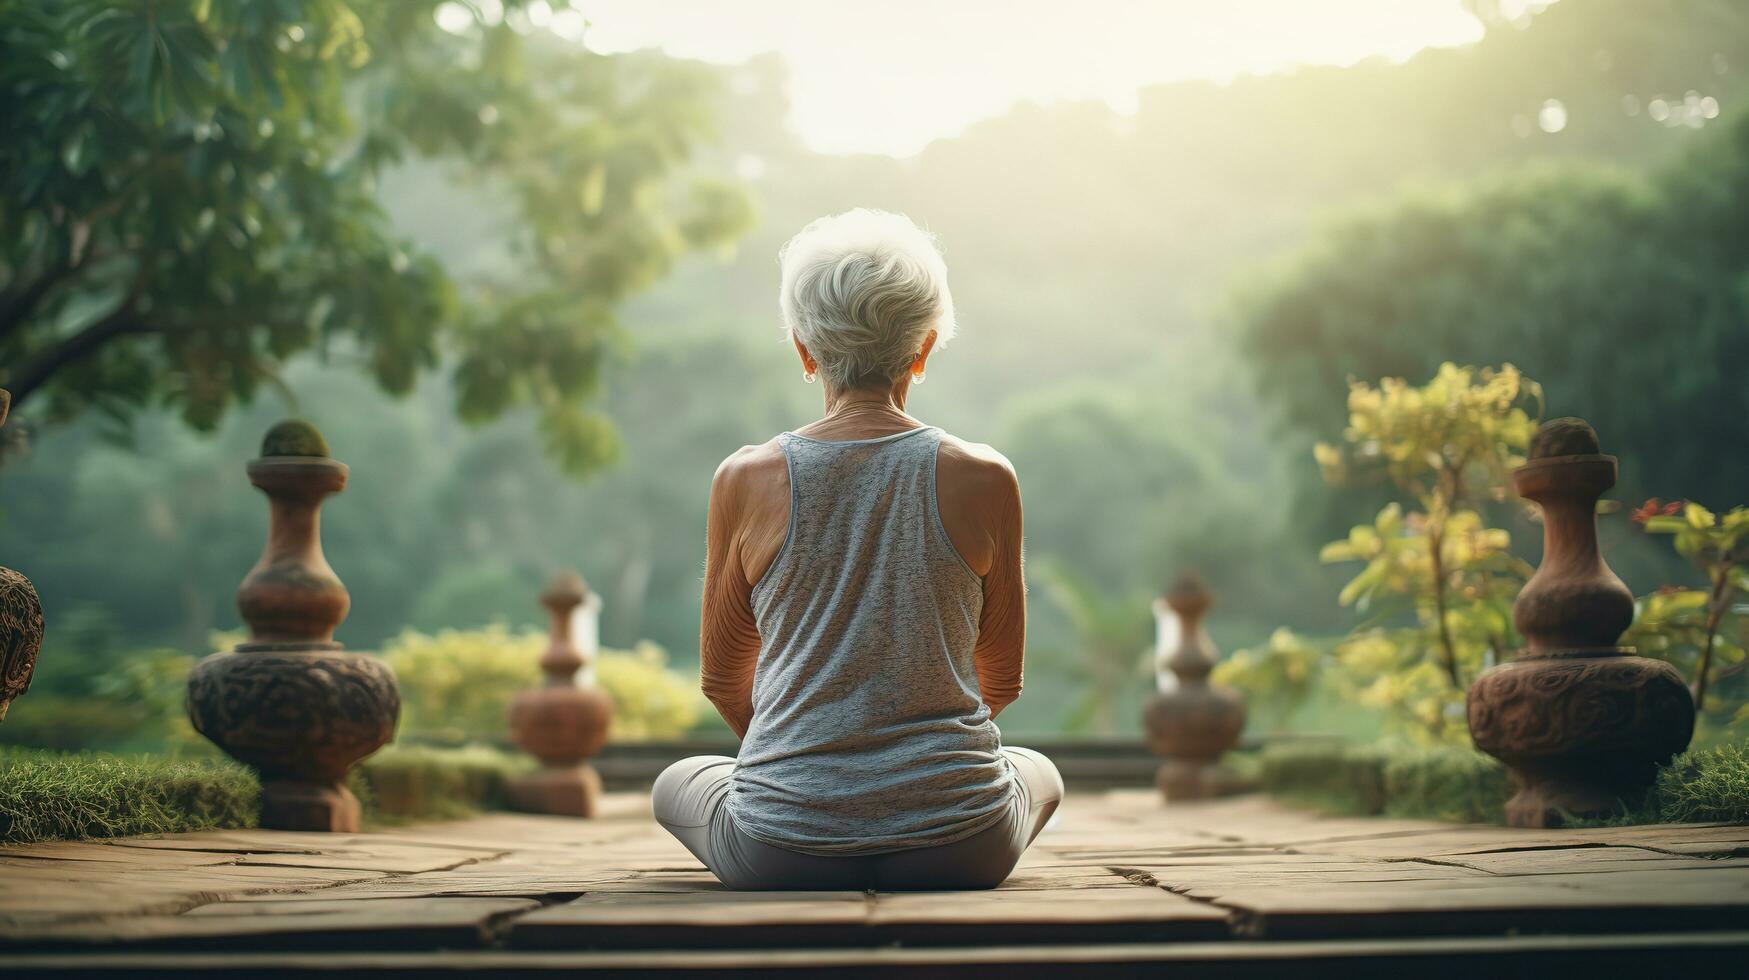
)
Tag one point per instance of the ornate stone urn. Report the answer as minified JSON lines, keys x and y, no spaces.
{"x":21,"y":620}
{"x":563,"y":722}
{"x":1581,"y":722}
{"x":1189,"y":721}
{"x":289,"y":702}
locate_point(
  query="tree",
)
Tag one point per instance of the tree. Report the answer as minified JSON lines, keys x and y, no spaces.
{"x":188,"y":197}
{"x":1622,"y":293}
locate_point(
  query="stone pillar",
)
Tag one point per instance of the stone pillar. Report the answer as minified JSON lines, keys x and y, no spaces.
{"x":1581,"y":723}
{"x":563,"y":722}
{"x":289,"y":702}
{"x":21,"y":621}
{"x":1191,"y":722}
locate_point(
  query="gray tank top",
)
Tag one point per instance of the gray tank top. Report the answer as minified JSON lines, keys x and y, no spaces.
{"x":868,"y":731}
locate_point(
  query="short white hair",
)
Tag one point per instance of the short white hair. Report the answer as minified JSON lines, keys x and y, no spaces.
{"x":861,"y":291}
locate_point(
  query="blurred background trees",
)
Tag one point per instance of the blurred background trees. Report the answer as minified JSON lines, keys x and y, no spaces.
{"x":1161,"y":312}
{"x":193,"y":201}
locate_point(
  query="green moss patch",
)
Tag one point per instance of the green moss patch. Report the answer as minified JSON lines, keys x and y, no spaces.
{"x":56,"y":796}
{"x":47,"y":795}
{"x":1462,"y":785}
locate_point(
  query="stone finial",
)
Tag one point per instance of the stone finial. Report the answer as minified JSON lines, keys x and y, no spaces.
{"x":1193,"y":723}
{"x":1580,"y":722}
{"x":289,"y":702}
{"x":562,"y":598}
{"x":21,"y":621}
{"x":563,"y":722}
{"x":292,"y":596}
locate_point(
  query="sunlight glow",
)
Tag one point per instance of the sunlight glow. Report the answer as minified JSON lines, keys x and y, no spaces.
{"x":890,"y":77}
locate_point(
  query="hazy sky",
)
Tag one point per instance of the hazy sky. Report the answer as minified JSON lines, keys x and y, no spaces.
{"x":888,"y":76}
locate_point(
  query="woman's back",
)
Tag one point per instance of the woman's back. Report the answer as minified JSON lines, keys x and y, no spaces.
{"x":868,"y":729}
{"x":864,"y":609}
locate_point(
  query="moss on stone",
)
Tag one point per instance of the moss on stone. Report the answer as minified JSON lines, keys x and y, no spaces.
{"x":1567,"y":436}
{"x":294,"y":437}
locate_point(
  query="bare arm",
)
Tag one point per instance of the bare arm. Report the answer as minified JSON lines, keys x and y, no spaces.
{"x":728,"y":640}
{"x":1001,"y":646}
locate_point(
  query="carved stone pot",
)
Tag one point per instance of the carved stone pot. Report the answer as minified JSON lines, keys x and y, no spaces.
{"x":289,"y":702}
{"x":21,"y":621}
{"x":565,"y":721}
{"x":1190,"y":721}
{"x":1581,"y":723}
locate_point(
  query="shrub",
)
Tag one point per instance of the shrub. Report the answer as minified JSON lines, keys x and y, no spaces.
{"x":1445,"y":784}
{"x":1326,"y":776}
{"x":456,"y":685}
{"x":420,"y":783}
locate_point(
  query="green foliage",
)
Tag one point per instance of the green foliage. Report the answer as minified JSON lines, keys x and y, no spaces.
{"x":1704,"y":786}
{"x":1387,"y":779}
{"x":1331,"y":777}
{"x":1438,"y":584}
{"x":425,"y":783}
{"x":1465,"y":786}
{"x":1459,"y":785}
{"x":1278,"y":676}
{"x":1111,"y":645}
{"x":1154,"y":457}
{"x":1524,"y":265}
{"x":90,"y":693}
{"x":46,"y":795}
{"x":456,"y":685}
{"x":50,"y":796}
{"x":1692,"y":628}
{"x":192,"y":198}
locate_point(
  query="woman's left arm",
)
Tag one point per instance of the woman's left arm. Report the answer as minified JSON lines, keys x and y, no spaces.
{"x":1001,"y":646}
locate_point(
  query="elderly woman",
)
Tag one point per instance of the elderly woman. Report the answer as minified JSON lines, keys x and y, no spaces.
{"x":864,"y":611}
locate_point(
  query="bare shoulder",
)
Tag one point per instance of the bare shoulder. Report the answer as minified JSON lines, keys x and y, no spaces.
{"x":974,"y":469}
{"x":750,"y":473}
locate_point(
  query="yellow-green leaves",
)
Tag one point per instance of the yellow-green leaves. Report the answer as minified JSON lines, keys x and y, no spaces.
{"x":1437,"y":582}
{"x":1461,"y":431}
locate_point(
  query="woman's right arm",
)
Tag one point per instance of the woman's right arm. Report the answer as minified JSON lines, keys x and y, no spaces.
{"x":728,"y":639}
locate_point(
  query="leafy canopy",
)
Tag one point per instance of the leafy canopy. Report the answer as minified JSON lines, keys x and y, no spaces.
{"x":188,"y":197}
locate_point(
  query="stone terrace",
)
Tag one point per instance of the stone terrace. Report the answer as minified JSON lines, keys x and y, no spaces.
{"x":1118,"y":885}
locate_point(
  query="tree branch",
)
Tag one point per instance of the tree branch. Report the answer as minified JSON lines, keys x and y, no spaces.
{"x":121,"y":322}
{"x":16,"y":304}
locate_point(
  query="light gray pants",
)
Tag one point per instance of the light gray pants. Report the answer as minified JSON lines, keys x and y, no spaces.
{"x":689,"y":795}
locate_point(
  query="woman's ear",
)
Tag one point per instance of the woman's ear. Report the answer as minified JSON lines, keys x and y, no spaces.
{"x":809,"y":365}
{"x":922,"y":354}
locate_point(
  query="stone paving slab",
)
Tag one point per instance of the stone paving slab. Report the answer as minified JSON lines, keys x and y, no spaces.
{"x":1116,"y":867}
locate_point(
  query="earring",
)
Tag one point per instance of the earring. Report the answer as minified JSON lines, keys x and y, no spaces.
{"x":808,"y":376}
{"x":917,"y":378}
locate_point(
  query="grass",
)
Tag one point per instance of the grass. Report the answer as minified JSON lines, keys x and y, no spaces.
{"x":46,"y":795}
{"x":1462,"y":785}
{"x":55,"y":796}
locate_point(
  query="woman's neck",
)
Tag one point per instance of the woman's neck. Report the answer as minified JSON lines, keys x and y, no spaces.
{"x":857,"y":413}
